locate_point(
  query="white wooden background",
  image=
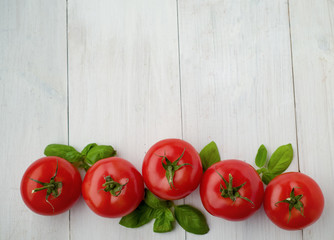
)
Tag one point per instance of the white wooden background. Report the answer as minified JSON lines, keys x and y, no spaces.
{"x":131,"y":72}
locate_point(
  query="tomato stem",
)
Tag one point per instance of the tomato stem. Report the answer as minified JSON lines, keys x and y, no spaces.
{"x":231,"y":192}
{"x":52,"y":188}
{"x":112,"y":186}
{"x":294,"y":202}
{"x":42,"y":188}
{"x":172,"y":167}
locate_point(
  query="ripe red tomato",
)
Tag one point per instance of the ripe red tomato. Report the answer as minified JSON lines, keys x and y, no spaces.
{"x":172,"y":169}
{"x":297,"y":192}
{"x":50,"y":186}
{"x":113,"y":187}
{"x":231,"y":189}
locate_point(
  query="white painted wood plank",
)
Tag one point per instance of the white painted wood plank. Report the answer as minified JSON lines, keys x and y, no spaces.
{"x":33,"y":107}
{"x":313,"y":60}
{"x":124,"y":91}
{"x":237,"y":89}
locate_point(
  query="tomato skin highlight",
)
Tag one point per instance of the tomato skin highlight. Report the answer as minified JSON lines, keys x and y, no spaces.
{"x":186,"y":179}
{"x":43,"y":170}
{"x":279,"y":189}
{"x":222,"y":207}
{"x":104,"y":203}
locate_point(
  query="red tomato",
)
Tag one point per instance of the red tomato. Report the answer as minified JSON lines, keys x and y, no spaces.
{"x":297,"y":191}
{"x":64,"y":186}
{"x":113,"y":187}
{"x":245,"y":195}
{"x":172,"y":169}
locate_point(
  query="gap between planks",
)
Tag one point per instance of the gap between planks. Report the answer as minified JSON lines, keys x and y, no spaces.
{"x":294,"y":90}
{"x":68,"y":106}
{"x":180,"y":84}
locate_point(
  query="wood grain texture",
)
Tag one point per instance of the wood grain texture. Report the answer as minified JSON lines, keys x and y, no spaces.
{"x":33,"y":108}
{"x":124,"y":90}
{"x":237,"y":86}
{"x":313,"y":60}
{"x":237,"y":89}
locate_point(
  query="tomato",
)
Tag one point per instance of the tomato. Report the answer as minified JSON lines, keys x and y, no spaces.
{"x":298,"y":192}
{"x":245,"y":195}
{"x":50,"y":186}
{"x":113,"y":187}
{"x":172,"y":169}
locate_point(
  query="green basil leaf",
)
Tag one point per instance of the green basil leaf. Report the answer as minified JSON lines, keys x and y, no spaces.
{"x":154,"y":202}
{"x":191,"y":219}
{"x":64,"y":151}
{"x":267,"y":177}
{"x":139,"y":217}
{"x":99,"y":152}
{"x":169,"y":215}
{"x":281,"y":159}
{"x":261,"y":156}
{"x":262,"y":170}
{"x":209,"y":155}
{"x":164,"y":221}
{"x":162,"y":225}
{"x":88,"y":148}
{"x":158,"y":212}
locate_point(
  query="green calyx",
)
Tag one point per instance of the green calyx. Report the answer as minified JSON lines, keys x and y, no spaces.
{"x":231,"y":192}
{"x":294,"y":202}
{"x":52,"y":188}
{"x":172,"y":167}
{"x":112,"y":186}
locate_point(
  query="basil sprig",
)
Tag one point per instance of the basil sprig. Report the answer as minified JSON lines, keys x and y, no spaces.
{"x":209,"y":155}
{"x":139,"y":217}
{"x":190,"y":218}
{"x":261,"y":156}
{"x":64,"y":151}
{"x":154,"y":202}
{"x":86,"y":158}
{"x":164,"y":221}
{"x":279,"y":161}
